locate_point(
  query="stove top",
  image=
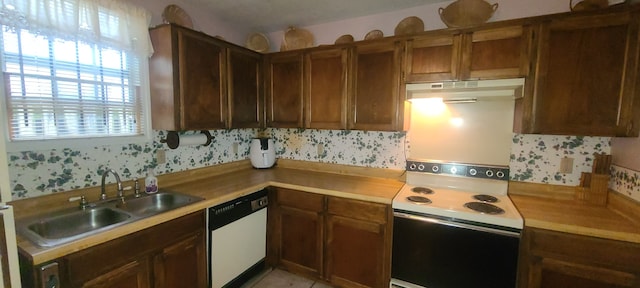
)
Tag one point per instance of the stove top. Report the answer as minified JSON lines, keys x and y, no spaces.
{"x":476,"y":193}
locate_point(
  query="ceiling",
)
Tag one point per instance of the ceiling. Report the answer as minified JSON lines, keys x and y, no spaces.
{"x":276,"y":15}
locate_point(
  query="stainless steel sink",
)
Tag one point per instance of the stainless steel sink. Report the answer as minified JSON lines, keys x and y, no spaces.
{"x":72,"y":224}
{"x":157,"y":203}
{"x":68,"y":225}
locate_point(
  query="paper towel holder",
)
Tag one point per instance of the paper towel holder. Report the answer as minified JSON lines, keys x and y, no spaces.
{"x":173,"y":138}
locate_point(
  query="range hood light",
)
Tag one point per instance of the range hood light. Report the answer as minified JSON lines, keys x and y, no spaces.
{"x":460,"y":101}
{"x":467,"y":91}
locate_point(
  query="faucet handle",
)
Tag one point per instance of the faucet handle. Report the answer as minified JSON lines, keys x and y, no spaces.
{"x":136,"y":187}
{"x":83,"y":201}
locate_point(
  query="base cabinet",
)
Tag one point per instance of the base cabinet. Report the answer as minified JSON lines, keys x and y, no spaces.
{"x":553,"y":259}
{"x":357,"y":245}
{"x":132,"y":275}
{"x":341,"y":241}
{"x":171,"y":254}
{"x":174,"y":266}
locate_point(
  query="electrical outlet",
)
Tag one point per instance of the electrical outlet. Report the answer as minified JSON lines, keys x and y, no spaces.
{"x":235,"y":148}
{"x":566,"y":165}
{"x":161,"y":156}
{"x":320,"y":149}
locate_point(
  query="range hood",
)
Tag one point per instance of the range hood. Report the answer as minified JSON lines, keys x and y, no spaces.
{"x":467,"y":91}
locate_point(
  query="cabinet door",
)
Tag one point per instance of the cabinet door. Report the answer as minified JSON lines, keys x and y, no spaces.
{"x":245,"y":88}
{"x":496,"y":53}
{"x":182,"y":264}
{"x":432,"y":58}
{"x":131,"y":275}
{"x":358,"y":243}
{"x":284,"y":90}
{"x":298,"y":232}
{"x":375,"y":102}
{"x":555,"y":259}
{"x":326,"y":89}
{"x":202,"y":89}
{"x":585,"y":84}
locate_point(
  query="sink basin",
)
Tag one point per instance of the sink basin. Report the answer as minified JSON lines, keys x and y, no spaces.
{"x":72,"y":224}
{"x":157,"y":203}
{"x":69,"y":225}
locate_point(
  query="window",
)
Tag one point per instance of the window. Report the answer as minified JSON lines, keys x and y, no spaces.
{"x":58,"y":89}
{"x":66,"y":84}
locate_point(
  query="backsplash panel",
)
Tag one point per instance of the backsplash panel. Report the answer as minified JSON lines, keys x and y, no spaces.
{"x":536,"y":158}
{"x":625,"y":181}
{"x":358,"y":148}
{"x":35,"y":173}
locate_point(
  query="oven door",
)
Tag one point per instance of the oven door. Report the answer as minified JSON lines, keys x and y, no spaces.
{"x":441,"y":253}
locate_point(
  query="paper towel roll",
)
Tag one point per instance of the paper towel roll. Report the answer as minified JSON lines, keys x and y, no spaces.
{"x":195,"y":139}
{"x":174,"y":139}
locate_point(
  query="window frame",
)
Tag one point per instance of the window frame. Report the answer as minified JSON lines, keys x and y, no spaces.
{"x":82,"y":142}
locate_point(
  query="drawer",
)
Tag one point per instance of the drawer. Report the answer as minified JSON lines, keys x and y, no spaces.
{"x":356,"y":209}
{"x":302,"y":200}
{"x":622,"y":255}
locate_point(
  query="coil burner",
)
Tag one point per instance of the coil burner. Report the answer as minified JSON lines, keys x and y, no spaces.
{"x":419,"y":199}
{"x":484,"y":208}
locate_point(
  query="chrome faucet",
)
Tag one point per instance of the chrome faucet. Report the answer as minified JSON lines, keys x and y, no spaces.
{"x":103,"y":193}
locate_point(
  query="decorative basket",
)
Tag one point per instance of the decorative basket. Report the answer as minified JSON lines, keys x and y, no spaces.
{"x":465,"y":13}
{"x":409,"y":25}
{"x":258,"y":42}
{"x":347,"y":38}
{"x":296,"y":38}
{"x":586,"y":5}
{"x":374,"y":34}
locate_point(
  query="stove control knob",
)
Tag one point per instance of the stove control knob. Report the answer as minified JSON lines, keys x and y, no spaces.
{"x":473,"y":171}
{"x":500,"y":174}
{"x":412,"y":167}
{"x":453,"y":170}
{"x":489,"y":173}
{"x":435,"y":169}
{"x":421,"y":167}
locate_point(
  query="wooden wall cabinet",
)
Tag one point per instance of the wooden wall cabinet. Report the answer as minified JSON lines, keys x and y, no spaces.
{"x":375,"y":100}
{"x":325,"y":88}
{"x":342,"y":241}
{"x":171,"y":254}
{"x":246,"y":90}
{"x":552,"y":259}
{"x":432,"y":58}
{"x":188,"y":88}
{"x":284,"y":74}
{"x":199,"y":82}
{"x":485,"y":53}
{"x":586,"y":80}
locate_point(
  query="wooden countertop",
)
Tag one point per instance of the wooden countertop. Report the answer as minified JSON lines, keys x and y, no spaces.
{"x":556,"y":210}
{"x":228,"y":186}
{"x":563,"y":214}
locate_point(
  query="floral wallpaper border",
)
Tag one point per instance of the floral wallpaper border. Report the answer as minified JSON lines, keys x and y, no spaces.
{"x":534,"y":158}
{"x":625,"y":181}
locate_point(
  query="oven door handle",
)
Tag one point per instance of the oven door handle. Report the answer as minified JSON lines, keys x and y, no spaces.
{"x":456,"y":224}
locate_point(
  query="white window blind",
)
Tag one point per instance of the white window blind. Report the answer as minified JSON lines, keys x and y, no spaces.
{"x":61,"y":84}
{"x":65,"y":89}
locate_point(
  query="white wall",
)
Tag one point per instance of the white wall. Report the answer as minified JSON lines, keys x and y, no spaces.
{"x":626,"y":152}
{"x":386,"y":22}
{"x":202,"y":19}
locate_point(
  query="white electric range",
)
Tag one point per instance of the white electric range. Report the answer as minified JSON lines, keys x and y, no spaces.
{"x":469,"y":192}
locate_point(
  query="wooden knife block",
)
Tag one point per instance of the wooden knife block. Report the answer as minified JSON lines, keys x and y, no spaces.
{"x":594,"y":188}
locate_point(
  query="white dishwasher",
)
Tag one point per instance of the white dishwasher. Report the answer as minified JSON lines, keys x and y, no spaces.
{"x":237,"y":240}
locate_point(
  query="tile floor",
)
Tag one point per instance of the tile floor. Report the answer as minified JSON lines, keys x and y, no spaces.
{"x":278,"y":278}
